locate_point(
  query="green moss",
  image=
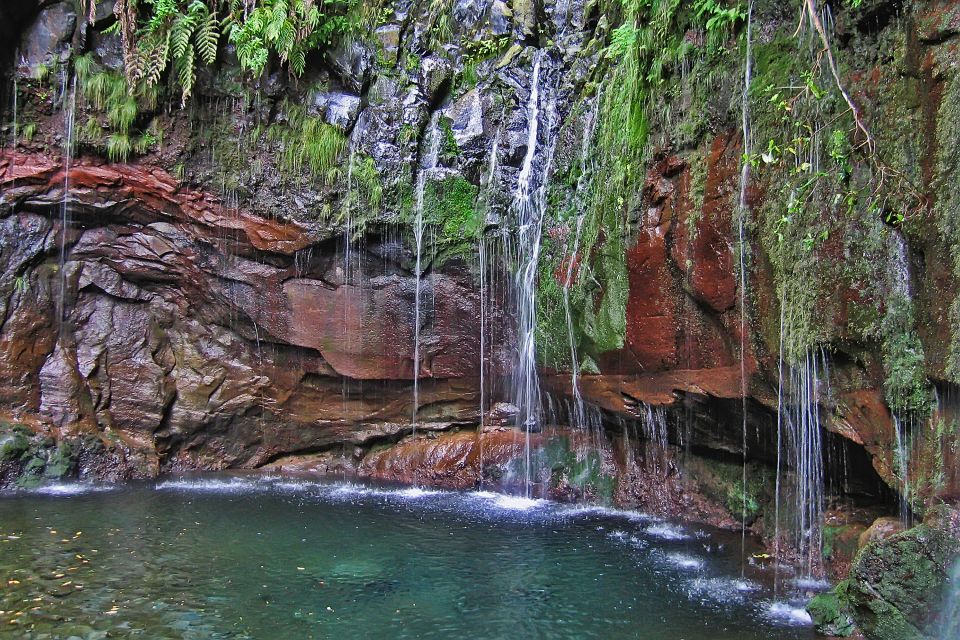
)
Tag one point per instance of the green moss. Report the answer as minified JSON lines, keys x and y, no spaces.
{"x":722,"y":482}
{"x":13,"y":445}
{"x":449,"y":150}
{"x":896,"y":585}
{"x":830,"y":613}
{"x":450,"y":205}
{"x":581,"y":472}
{"x":948,"y":202}
{"x":61,"y":462}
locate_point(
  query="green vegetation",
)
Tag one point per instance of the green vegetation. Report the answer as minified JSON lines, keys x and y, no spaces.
{"x":181,"y":34}
{"x":116,"y":113}
{"x":450,"y":205}
{"x":895,"y":586}
{"x":308,"y":142}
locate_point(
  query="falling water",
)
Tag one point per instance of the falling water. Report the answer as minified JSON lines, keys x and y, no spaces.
{"x":484,"y":265}
{"x":741,"y":224}
{"x":800,"y":414}
{"x":69,"y":111}
{"x":348,"y":206}
{"x":16,"y":88}
{"x":903,"y":421}
{"x":528,"y":204}
{"x":903,"y":430}
{"x":950,"y":623}
{"x":577,"y":410}
{"x":347,"y":251}
{"x":428,"y":161}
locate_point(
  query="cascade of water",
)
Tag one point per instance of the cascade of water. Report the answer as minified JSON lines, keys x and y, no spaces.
{"x":904,"y":421}
{"x":742,"y":247}
{"x":529,"y":200}
{"x":347,"y":249}
{"x":428,"y":161}
{"x":776,"y":495}
{"x":903,"y":431}
{"x":801,"y":416}
{"x":484,"y":261}
{"x":69,"y":112}
{"x":16,"y":123}
{"x":577,"y":409}
{"x":950,"y":622}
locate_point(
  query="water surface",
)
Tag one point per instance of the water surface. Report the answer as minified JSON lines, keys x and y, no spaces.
{"x":236,"y":557}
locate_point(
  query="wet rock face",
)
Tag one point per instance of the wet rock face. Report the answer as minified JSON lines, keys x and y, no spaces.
{"x":208,"y":338}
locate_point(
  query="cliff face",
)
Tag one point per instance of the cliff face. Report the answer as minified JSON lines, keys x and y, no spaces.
{"x":203,"y":288}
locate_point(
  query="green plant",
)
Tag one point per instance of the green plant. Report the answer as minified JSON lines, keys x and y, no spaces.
{"x":439,"y":17}
{"x":182,"y":34}
{"x":476,"y":51}
{"x":28,"y":131}
{"x":308,"y":142}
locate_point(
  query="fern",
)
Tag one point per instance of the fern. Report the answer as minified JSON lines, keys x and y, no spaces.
{"x":171,"y":38}
{"x":208,"y":37}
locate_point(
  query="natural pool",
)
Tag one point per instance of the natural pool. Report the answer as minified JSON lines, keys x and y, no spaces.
{"x":242,"y":557}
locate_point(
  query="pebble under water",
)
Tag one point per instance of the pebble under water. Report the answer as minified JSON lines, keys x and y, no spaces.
{"x":242,"y":557}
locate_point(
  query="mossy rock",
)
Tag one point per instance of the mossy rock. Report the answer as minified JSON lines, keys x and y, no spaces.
{"x":830,"y":613}
{"x":32,"y":472}
{"x":61,"y":462}
{"x":12,"y":446}
{"x":897,"y":586}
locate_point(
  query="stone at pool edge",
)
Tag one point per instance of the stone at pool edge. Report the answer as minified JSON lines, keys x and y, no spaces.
{"x":896,"y":585}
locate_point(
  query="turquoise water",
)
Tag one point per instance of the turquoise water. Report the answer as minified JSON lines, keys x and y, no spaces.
{"x":241,"y":557}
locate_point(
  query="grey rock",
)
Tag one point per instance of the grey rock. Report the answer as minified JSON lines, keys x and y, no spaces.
{"x":501,"y":18}
{"x":466,"y":116}
{"x":48,"y":39}
{"x":350,"y":60}
{"x":342,"y":109}
{"x":434,"y":73}
{"x":107,"y":50}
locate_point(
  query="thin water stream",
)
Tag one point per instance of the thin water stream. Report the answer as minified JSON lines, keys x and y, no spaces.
{"x":428,"y":162}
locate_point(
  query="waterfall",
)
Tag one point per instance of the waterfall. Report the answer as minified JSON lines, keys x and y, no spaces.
{"x":69,"y":111}
{"x":577,"y":414}
{"x":742,"y":210}
{"x":428,"y":161}
{"x":528,"y":205}
{"x":950,"y":622}
{"x":903,"y":431}
{"x":799,"y":401}
{"x":15,"y":92}
{"x":484,"y":285}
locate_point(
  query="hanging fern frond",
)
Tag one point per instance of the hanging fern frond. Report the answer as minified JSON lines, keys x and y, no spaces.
{"x":186,"y":73}
{"x":208,"y":37}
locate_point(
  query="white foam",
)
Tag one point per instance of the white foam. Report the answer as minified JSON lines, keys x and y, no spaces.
{"x":518,"y":503}
{"x":685,"y":561}
{"x":70,"y":489}
{"x":722,"y":590}
{"x":786,"y":613}
{"x":234,"y":485}
{"x":666,"y":531}
{"x":414,"y":493}
{"x":815,"y":584}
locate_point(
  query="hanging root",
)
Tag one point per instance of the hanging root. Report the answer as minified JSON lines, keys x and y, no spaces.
{"x":810,"y":9}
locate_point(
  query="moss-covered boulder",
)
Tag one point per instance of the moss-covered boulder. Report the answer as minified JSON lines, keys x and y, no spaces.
{"x":831,"y":614}
{"x":897,"y":585}
{"x":13,"y":443}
